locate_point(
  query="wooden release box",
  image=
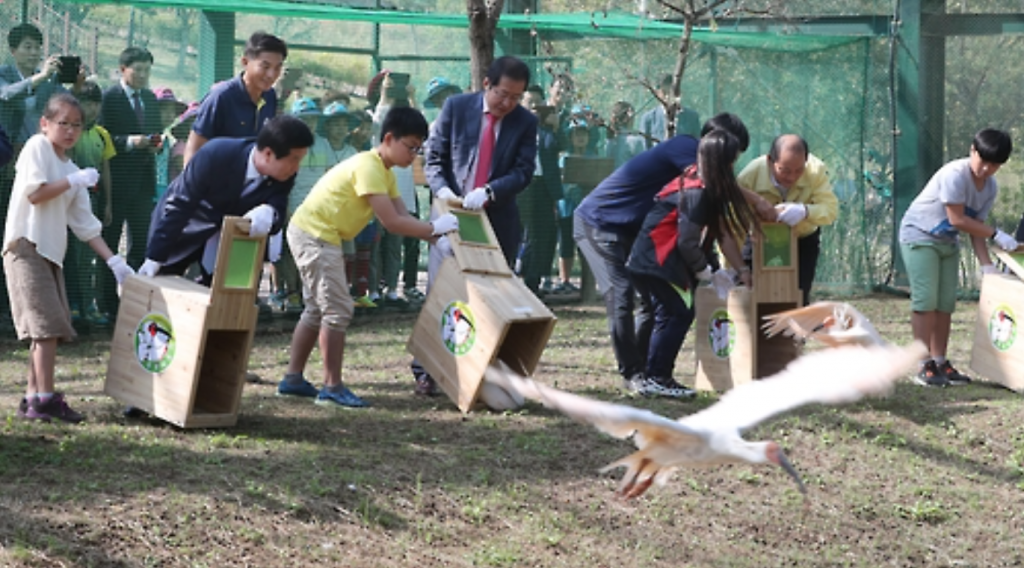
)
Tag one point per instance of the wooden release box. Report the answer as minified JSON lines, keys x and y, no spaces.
{"x":730,"y":348}
{"x":998,"y":350}
{"x":180,"y":350}
{"x":477,"y":311}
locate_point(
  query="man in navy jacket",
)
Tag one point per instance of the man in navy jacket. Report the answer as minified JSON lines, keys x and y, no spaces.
{"x":228,"y":176}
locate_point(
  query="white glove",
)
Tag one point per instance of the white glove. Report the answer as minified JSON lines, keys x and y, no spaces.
{"x":83,"y":179}
{"x":261,"y":220}
{"x":1004,"y":241}
{"x":989,"y":269}
{"x":149,"y":268}
{"x":704,"y":275}
{"x":446,"y":193}
{"x":475,"y":200}
{"x":444,"y":224}
{"x":120,"y":268}
{"x":791,"y":213}
{"x":723,"y":280}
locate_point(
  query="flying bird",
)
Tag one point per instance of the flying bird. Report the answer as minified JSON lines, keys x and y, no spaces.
{"x":713,"y":436}
{"x":832,"y":323}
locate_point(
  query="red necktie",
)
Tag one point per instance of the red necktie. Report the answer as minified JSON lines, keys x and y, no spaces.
{"x":483,"y":157}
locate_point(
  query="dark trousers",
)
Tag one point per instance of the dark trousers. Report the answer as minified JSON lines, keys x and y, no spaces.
{"x":135,"y":210}
{"x":630,"y":333}
{"x":672,"y":320}
{"x":540,"y":234}
{"x":808,"y":251}
{"x":410,"y":262}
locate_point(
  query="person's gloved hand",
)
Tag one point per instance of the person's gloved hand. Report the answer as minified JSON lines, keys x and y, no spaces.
{"x":989,"y":269}
{"x":1004,"y":241}
{"x":723,"y":280}
{"x":120,"y":268}
{"x":446,"y":193}
{"x":475,"y":200}
{"x":261,"y":220}
{"x":444,"y":224}
{"x":704,"y":275}
{"x":149,"y":268}
{"x":791,"y":213}
{"x":83,"y":179}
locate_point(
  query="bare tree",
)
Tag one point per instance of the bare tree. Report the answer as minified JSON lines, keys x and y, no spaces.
{"x":692,"y":12}
{"x":483,"y":23}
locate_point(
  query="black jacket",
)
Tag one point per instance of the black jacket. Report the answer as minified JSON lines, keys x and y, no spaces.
{"x":669,"y":243}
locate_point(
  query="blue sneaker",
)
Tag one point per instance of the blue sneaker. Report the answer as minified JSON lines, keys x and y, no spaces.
{"x":344,"y":398}
{"x":304,"y":388}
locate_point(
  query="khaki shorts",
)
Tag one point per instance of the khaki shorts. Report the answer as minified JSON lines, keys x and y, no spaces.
{"x":39,"y":302}
{"x":324,"y":286}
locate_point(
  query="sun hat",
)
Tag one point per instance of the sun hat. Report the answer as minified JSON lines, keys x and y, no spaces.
{"x":166,"y":95}
{"x":437,"y":86}
{"x":305,"y":106}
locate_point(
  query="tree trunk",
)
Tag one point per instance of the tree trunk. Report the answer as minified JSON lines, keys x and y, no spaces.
{"x":483,"y":23}
{"x":672,"y":105}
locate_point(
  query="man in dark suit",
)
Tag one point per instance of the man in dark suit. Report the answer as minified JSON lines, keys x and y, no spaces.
{"x":132,"y":116}
{"x":227,"y":176}
{"x":453,"y":149}
{"x":482,"y":147}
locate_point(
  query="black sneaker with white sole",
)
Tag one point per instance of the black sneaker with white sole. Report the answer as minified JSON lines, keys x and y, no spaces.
{"x":931,"y":376}
{"x":666,"y":387}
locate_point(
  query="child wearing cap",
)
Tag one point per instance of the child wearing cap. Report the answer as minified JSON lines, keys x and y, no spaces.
{"x":170,"y":107}
{"x":579,"y":145}
{"x":94,"y":149}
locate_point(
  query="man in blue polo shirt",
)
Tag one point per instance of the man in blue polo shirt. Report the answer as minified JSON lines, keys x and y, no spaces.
{"x":238,"y":107}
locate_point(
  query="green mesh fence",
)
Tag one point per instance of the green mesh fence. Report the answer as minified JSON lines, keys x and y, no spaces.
{"x":833,"y":90}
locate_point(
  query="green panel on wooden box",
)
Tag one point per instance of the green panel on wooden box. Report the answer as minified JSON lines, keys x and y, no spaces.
{"x":241,"y":272}
{"x":471,"y":228}
{"x":776,"y":251}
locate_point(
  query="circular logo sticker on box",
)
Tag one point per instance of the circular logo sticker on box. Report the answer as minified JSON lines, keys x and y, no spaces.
{"x":721,"y":333}
{"x":154,"y":342}
{"x":1002,"y":327}
{"x":458,"y":328}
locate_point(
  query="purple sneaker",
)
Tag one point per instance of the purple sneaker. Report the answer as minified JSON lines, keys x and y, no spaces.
{"x":55,"y":408}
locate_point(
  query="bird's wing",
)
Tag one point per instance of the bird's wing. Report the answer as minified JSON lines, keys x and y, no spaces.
{"x":616,"y":420}
{"x":831,"y":323}
{"x":831,"y":376}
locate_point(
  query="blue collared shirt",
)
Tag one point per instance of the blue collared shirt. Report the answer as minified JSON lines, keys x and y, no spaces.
{"x":228,"y":111}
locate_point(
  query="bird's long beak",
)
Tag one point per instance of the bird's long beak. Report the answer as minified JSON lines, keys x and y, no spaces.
{"x":784,"y":464}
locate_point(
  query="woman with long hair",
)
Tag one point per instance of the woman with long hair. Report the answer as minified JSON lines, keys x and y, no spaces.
{"x":671,"y":254}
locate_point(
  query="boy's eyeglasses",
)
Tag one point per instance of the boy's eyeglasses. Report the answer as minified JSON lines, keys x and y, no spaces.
{"x":417,"y":150}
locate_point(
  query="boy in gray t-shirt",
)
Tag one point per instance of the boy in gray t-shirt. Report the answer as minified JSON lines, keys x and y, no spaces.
{"x":958,"y":198}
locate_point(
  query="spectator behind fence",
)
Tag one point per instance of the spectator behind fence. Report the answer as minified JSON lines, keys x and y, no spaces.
{"x":623,"y":143}
{"x":170,"y":108}
{"x":654,"y":124}
{"x":238,"y":108}
{"x":131,"y":114}
{"x":958,"y":198}
{"x":94,"y":149}
{"x":339,"y":206}
{"x":50,"y":195}
{"x":537,"y":203}
{"x":796,"y":183}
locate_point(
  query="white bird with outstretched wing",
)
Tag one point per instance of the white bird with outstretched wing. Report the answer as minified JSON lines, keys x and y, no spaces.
{"x":832,"y":323}
{"x":713,"y":436}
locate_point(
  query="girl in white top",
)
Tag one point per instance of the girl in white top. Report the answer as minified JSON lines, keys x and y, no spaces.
{"x":50,"y":195}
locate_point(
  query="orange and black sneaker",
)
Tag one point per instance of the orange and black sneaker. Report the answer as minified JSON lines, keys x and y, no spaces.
{"x":931,"y":376}
{"x":952,"y":375}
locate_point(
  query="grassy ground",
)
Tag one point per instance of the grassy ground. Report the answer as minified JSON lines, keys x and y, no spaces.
{"x":924,"y":478}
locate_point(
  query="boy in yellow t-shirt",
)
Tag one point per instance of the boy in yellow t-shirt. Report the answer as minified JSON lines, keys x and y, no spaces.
{"x":94,"y":149}
{"x":341,"y":203}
